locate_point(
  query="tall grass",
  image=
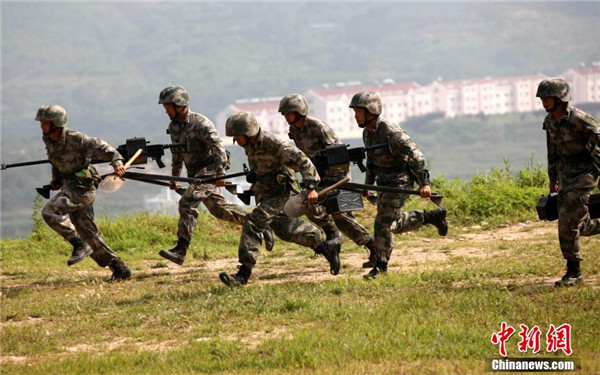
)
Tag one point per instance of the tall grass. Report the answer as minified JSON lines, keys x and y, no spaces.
{"x":498,"y":196}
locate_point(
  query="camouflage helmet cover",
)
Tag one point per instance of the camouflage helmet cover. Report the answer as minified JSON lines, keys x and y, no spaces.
{"x":554,"y":87}
{"x":174,"y":94}
{"x":53,"y":113}
{"x":241,"y":123}
{"x":294,"y":103}
{"x":368,"y":100}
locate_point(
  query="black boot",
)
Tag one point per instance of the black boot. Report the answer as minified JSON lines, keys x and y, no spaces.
{"x":573,"y":275}
{"x":269,"y":238}
{"x":331,"y":233}
{"x":120,"y":270}
{"x":81,"y":250}
{"x":331,"y":251}
{"x":239,"y":279}
{"x":380,"y":269}
{"x":176,"y":254}
{"x":372,"y":254}
{"x":437,"y":218}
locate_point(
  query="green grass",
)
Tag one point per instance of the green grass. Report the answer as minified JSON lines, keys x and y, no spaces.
{"x":430,"y":315}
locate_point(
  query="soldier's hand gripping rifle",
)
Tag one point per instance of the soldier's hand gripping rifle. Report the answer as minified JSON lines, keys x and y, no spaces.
{"x":435,"y":197}
{"x":338,"y":157}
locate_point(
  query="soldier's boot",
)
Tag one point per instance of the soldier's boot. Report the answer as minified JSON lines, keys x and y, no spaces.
{"x":269,"y":238}
{"x":379,"y":269}
{"x":372,"y":262}
{"x":437,"y":218}
{"x":239,"y":279}
{"x":573,"y":275}
{"x":331,"y":233}
{"x":120,"y":270}
{"x":81,"y":250}
{"x":176,"y":254}
{"x":331,"y":251}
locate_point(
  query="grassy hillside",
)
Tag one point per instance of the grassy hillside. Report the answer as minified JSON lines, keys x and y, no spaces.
{"x":434,"y":313}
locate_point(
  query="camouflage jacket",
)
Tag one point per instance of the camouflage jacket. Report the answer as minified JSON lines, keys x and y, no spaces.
{"x":573,"y":144}
{"x":401,"y":163}
{"x":314,"y":136}
{"x":73,"y":152}
{"x":205,"y":154}
{"x":274,"y":162}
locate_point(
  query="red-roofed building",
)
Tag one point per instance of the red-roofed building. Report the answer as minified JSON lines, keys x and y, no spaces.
{"x":489,"y":96}
{"x":265,"y":110}
{"x":399,"y":102}
{"x":585,"y":83}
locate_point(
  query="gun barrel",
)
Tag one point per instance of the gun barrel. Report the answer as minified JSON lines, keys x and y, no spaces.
{"x":136,"y":175}
{"x":23,"y":164}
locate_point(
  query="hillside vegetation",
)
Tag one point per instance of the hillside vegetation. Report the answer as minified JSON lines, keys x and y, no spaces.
{"x":434,"y":313}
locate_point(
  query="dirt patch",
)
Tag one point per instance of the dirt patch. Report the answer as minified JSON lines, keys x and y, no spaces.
{"x":19,"y":323}
{"x":299,"y":265}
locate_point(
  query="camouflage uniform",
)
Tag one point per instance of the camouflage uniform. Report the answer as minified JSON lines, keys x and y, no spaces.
{"x":70,"y":212}
{"x":273,"y":162}
{"x":573,"y":161}
{"x":399,"y":166}
{"x":205,"y":157}
{"x":312,"y":137}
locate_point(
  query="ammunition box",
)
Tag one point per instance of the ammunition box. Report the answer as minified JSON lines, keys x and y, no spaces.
{"x":343,"y":201}
{"x":547,"y":207}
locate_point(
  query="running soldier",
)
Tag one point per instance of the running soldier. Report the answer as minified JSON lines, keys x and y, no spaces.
{"x":573,"y":141}
{"x":312,"y":135}
{"x":204,"y":157}
{"x":273,"y":163}
{"x":399,"y":166}
{"x":70,"y":212}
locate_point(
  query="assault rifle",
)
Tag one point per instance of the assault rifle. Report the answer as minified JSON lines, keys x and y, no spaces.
{"x":149,"y":151}
{"x":337,"y":158}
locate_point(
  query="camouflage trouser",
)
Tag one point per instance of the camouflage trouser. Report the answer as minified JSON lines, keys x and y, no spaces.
{"x":269,"y":212}
{"x":389,"y":211}
{"x":346,"y":223}
{"x":573,"y":215}
{"x":70,"y":214}
{"x":215,"y":202}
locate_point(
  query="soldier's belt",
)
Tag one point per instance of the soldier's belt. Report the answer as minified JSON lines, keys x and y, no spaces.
{"x":547,"y":207}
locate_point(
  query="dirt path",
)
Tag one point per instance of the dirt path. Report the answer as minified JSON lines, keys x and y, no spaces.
{"x":412,"y":252}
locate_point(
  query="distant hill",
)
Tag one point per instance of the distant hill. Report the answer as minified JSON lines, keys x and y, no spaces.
{"x":107,"y":62}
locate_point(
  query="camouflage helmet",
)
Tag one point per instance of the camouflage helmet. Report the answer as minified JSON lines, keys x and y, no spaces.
{"x":368,"y":100}
{"x":294,"y":103}
{"x":241,"y":123}
{"x":53,"y":113}
{"x":554,"y":87}
{"x":174,"y":94}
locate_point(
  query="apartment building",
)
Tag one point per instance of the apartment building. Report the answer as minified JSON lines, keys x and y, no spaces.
{"x":487,"y":96}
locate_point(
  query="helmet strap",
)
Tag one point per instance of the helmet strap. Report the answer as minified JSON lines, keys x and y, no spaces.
{"x":55,"y":133}
{"x":298,"y":120}
{"x":180,"y":112}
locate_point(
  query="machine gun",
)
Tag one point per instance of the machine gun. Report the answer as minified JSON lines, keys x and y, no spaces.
{"x":337,"y":158}
{"x":149,"y":151}
{"x":154,"y":152}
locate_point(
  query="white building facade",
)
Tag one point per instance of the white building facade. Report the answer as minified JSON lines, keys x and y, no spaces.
{"x":487,"y":96}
